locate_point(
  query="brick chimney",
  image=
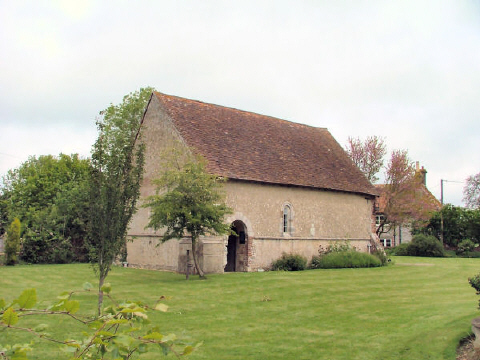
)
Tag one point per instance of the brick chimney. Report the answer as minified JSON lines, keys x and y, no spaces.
{"x":421,"y":172}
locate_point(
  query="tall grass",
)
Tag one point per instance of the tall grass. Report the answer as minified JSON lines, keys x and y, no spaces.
{"x":417,"y":308}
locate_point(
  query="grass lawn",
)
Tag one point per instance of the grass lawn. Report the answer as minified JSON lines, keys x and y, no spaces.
{"x":417,"y":308}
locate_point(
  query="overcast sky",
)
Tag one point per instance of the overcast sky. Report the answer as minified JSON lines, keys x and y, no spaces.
{"x":408,"y":71}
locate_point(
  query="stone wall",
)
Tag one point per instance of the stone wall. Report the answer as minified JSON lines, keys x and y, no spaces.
{"x":317,"y":216}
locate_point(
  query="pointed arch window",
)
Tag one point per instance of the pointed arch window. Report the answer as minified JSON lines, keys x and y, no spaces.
{"x":287,"y":219}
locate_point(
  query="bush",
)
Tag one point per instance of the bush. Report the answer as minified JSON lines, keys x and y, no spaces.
{"x":290,"y":262}
{"x":465,"y":246}
{"x":335,"y":246}
{"x":12,"y":242}
{"x":426,"y":245}
{"x":345,"y":259}
{"x":475,"y":283}
{"x":41,"y":247}
{"x":471,"y":254}
{"x":400,"y":250}
{"x":382,"y":256}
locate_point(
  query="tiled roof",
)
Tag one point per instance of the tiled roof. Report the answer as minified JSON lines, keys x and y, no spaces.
{"x":422,"y":194}
{"x":247,"y":146}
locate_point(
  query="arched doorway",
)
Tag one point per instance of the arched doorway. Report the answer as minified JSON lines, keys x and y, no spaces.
{"x":237,"y":248}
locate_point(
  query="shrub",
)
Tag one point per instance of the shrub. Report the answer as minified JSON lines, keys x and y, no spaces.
{"x":12,"y":242}
{"x":400,"y":250}
{"x":426,"y":245}
{"x":290,"y":262}
{"x":475,"y":283}
{"x":465,"y":246}
{"x":345,"y":259}
{"x":382,"y":256}
{"x":471,"y":254}
{"x":334,"y":246}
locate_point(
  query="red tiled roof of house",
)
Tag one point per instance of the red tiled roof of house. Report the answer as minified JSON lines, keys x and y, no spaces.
{"x":247,"y":146}
{"x":424,"y":196}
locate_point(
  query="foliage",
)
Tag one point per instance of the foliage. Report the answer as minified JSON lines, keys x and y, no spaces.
{"x":189,"y":200}
{"x":290,"y":262}
{"x":470,"y":254}
{"x":334,"y":246}
{"x":4,"y":221}
{"x":117,"y":169}
{"x":471,"y":192}
{"x":475,"y":283}
{"x":368,"y":155}
{"x":12,"y":242}
{"x":465,"y":246}
{"x":382,"y":256}
{"x":404,"y":197}
{"x":49,"y":196}
{"x":399,"y":250}
{"x":119,"y":333}
{"x":425,"y":245}
{"x":458,"y":224}
{"x":345,"y":259}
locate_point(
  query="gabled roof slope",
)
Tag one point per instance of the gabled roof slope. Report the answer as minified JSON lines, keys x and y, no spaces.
{"x":423,"y":196}
{"x":247,"y":146}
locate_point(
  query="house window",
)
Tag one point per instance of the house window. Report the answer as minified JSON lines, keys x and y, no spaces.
{"x":378,"y":220}
{"x":287,"y":219}
{"x":386,"y":242}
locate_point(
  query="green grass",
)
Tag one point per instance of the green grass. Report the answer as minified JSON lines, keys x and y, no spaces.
{"x":418,"y":308}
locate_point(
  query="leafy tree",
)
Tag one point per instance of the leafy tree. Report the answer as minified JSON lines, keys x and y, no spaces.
{"x":117,"y":168}
{"x":404,"y":197}
{"x":121,"y":333}
{"x":36,"y":193}
{"x":3,"y":212}
{"x":12,"y":243}
{"x":189,"y":200}
{"x":471,"y":192}
{"x":368,"y":155}
{"x":459,"y":224}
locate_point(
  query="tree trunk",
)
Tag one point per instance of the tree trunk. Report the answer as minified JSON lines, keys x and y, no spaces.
{"x":201,"y":274}
{"x":100,"y":295}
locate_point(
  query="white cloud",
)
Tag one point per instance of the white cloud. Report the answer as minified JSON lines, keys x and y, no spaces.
{"x":408,"y":71}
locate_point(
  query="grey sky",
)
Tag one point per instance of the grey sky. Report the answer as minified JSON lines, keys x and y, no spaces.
{"x":408,"y":71}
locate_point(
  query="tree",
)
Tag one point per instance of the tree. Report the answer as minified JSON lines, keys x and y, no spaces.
{"x":121,"y":333}
{"x":189,"y":200}
{"x":459,"y":224}
{"x":117,"y":168}
{"x":12,"y":243}
{"x":368,"y":155}
{"x":404,"y":197}
{"x":471,"y":192}
{"x":48,"y":195}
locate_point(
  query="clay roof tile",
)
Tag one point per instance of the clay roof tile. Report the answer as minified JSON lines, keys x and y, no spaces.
{"x":248,"y":146}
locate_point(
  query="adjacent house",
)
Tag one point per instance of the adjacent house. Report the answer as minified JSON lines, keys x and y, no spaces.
{"x":291,"y":186}
{"x":395,"y":234}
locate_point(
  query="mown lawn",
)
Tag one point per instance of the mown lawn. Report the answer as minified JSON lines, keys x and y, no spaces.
{"x":417,"y":308}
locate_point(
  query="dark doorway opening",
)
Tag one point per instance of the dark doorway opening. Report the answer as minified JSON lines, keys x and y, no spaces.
{"x":231,"y":253}
{"x":236,"y":247}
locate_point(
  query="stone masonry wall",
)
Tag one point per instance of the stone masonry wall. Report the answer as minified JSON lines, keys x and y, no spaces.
{"x":318,"y":217}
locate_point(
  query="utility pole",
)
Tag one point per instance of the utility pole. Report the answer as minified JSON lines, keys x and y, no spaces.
{"x":441,"y":210}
